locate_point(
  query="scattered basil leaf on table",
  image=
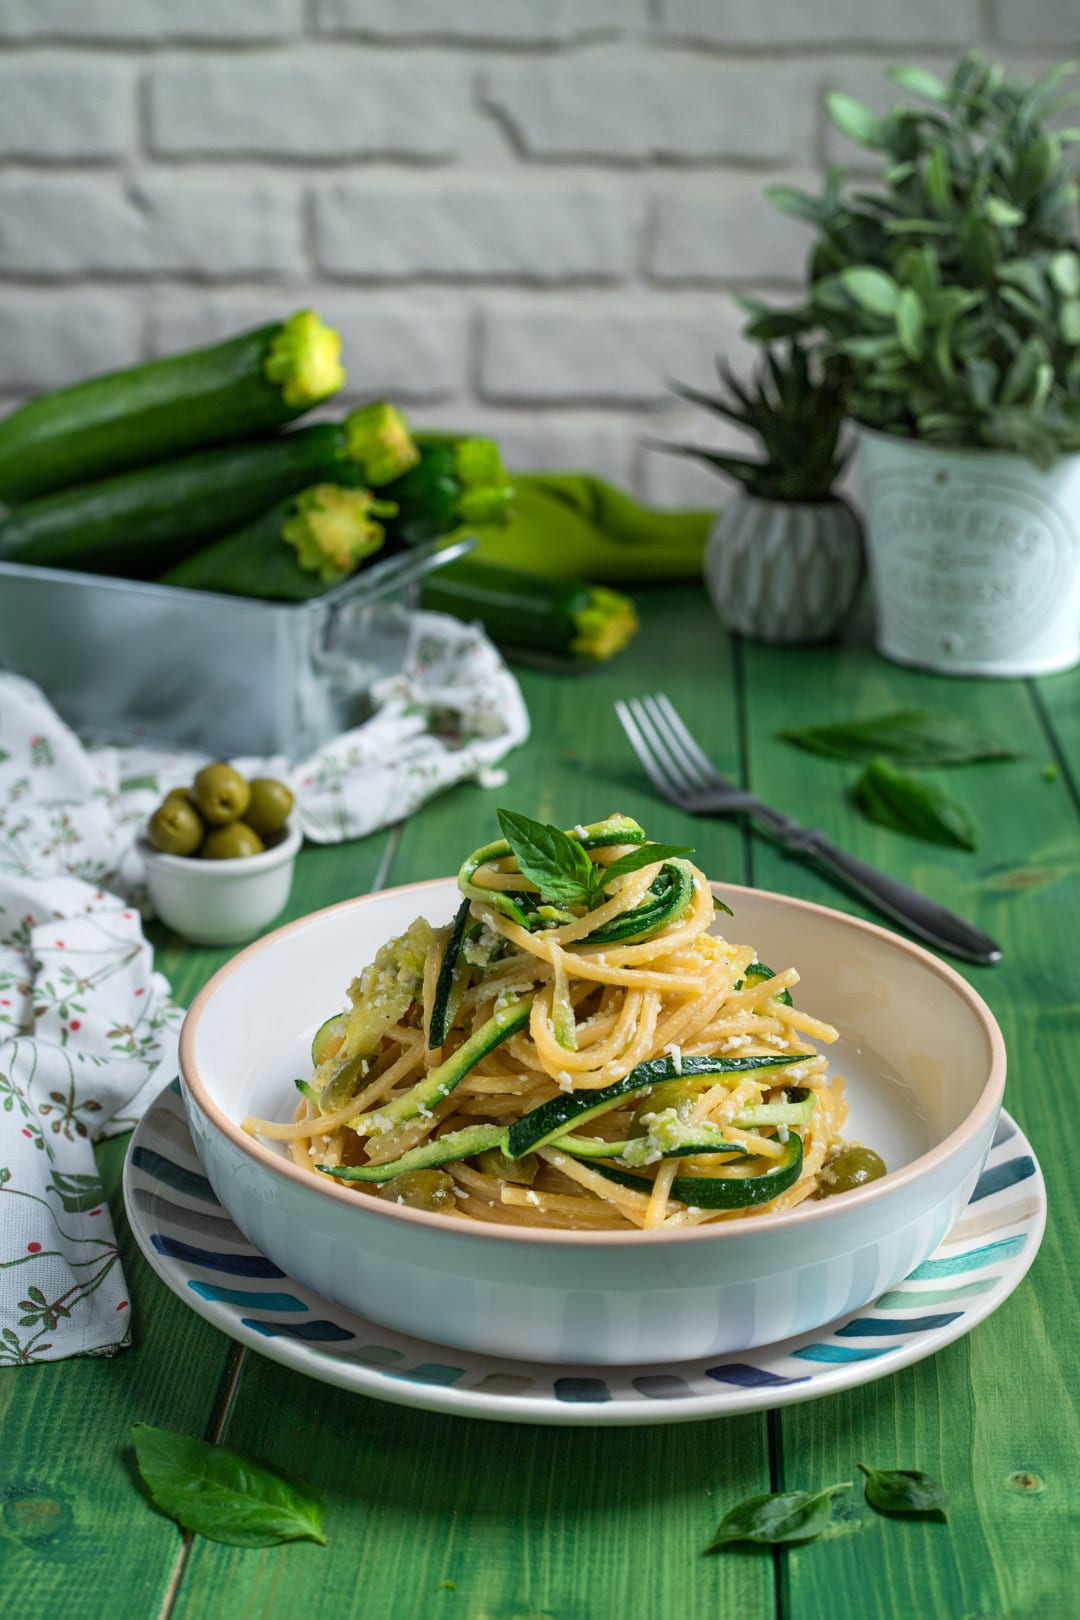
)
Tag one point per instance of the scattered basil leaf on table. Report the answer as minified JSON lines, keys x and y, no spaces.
{"x":903,"y":802}
{"x":904,"y":1490}
{"x":783,"y":1517}
{"x":561,"y":869}
{"x":914,"y":737}
{"x":222,"y":1495}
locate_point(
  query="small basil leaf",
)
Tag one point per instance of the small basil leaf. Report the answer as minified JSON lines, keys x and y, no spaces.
{"x":720,"y":906}
{"x":642,"y":855}
{"x":910,"y":737}
{"x":904,"y":1490}
{"x":221,"y":1495}
{"x":550,"y":858}
{"x":903,"y":802}
{"x":784,"y":1516}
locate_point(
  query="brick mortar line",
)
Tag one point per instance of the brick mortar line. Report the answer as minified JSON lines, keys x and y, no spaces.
{"x":171,"y":53}
{"x":502,"y":291}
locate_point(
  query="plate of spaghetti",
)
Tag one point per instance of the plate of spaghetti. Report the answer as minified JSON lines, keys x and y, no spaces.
{"x":579,"y":1048}
{"x":535,"y":1080}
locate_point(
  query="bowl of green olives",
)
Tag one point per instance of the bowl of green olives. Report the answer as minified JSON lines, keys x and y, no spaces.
{"x":219,"y":855}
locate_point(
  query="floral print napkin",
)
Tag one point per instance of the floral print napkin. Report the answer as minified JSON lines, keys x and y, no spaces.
{"x":87,"y":1030}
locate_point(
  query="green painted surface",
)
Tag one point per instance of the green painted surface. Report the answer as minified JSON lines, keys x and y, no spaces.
{"x":545,"y":1524}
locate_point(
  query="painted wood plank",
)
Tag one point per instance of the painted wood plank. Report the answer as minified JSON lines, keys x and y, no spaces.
{"x":77,"y":1536}
{"x":70,"y":1506}
{"x":562,"y":1524}
{"x":527,"y":1521}
{"x":996,"y":1403}
{"x":1058,"y":698}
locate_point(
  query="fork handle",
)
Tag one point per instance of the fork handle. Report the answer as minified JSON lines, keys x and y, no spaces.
{"x":919,"y":915}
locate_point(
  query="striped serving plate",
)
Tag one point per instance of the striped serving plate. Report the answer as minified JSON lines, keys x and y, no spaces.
{"x":194,"y":1247}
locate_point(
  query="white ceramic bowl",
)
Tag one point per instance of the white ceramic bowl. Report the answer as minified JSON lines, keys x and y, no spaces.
{"x":925,"y":1067}
{"x":221,"y":902}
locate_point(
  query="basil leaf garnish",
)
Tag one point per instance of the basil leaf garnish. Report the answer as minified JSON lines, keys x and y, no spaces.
{"x":559,"y":866}
{"x":641,"y":855}
{"x":904,"y":1490}
{"x":783,"y":1517}
{"x":222,"y":1495}
{"x":548,"y":857}
{"x":897,"y":799}
{"x":912,"y":737}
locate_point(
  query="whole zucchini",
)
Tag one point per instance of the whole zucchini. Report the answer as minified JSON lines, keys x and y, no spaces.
{"x":233,"y":390}
{"x":140,"y":523}
{"x":454,"y":482}
{"x":559,"y":616}
{"x":294,"y":551}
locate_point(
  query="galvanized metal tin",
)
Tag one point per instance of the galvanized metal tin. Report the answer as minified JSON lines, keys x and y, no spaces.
{"x":129,"y":661}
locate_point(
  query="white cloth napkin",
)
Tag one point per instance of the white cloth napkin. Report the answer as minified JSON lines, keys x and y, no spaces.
{"x":87,"y":1030}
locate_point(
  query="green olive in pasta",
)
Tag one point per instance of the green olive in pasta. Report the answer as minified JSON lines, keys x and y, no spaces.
{"x":668,"y":1094}
{"x":852,"y":1167}
{"x":421,"y":1189}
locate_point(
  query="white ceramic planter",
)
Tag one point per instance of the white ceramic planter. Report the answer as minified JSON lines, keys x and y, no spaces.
{"x":974,"y":557}
{"x":784,"y":571}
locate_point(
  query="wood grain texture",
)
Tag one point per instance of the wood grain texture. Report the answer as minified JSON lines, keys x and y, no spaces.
{"x":996,"y":1403}
{"x":531,"y":1523}
{"x":74,"y":1524}
{"x":543,"y":1524}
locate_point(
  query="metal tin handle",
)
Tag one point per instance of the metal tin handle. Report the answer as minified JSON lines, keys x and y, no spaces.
{"x":394,"y":572}
{"x":383,"y":579}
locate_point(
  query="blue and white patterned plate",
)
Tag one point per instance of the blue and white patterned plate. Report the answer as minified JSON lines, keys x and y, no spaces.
{"x":209,"y":1263}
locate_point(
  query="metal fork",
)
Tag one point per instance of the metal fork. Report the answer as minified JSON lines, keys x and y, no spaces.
{"x":685,"y":776}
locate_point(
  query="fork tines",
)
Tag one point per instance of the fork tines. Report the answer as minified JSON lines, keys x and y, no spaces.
{"x":671,"y":758}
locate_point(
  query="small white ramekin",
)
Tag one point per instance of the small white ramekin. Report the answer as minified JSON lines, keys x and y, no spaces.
{"x":221,"y":902}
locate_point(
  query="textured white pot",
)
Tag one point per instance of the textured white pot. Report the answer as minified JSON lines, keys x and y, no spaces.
{"x":784,"y":571}
{"x":974,"y":557}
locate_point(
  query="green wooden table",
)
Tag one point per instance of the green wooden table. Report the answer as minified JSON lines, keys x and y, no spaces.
{"x":433,"y":1516}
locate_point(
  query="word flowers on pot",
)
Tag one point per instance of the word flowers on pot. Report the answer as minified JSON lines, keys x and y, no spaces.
{"x":949,"y":292}
{"x":784,"y":559}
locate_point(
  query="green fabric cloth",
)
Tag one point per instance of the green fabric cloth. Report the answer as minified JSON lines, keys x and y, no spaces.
{"x":575,"y":526}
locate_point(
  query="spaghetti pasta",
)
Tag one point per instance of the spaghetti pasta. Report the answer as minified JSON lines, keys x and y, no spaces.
{"x":580,"y":1049}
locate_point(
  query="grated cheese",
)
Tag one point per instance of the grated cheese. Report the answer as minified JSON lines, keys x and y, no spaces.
{"x":734,"y":1042}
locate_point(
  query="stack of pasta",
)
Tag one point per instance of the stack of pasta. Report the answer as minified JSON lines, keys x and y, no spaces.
{"x":579,"y":1048}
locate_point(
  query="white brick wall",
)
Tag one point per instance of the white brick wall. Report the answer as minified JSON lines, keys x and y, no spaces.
{"x":524,"y":215}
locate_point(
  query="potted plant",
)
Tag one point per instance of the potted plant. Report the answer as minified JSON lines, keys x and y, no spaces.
{"x":784,"y":559}
{"x":949,"y":290}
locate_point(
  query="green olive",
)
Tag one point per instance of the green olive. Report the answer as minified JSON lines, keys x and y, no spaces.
{"x":221,"y":794}
{"x":421,"y":1189}
{"x":666,"y":1094}
{"x":174,"y":828}
{"x":852,"y":1167}
{"x":231,"y":843}
{"x":271,"y":803}
{"x":520,"y":1171}
{"x":181,"y":795}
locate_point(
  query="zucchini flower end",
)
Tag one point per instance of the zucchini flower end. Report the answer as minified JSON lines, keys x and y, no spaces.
{"x":380,"y":442}
{"x":332,"y":530}
{"x":305,"y":360}
{"x":487,"y":494}
{"x":604,"y":625}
